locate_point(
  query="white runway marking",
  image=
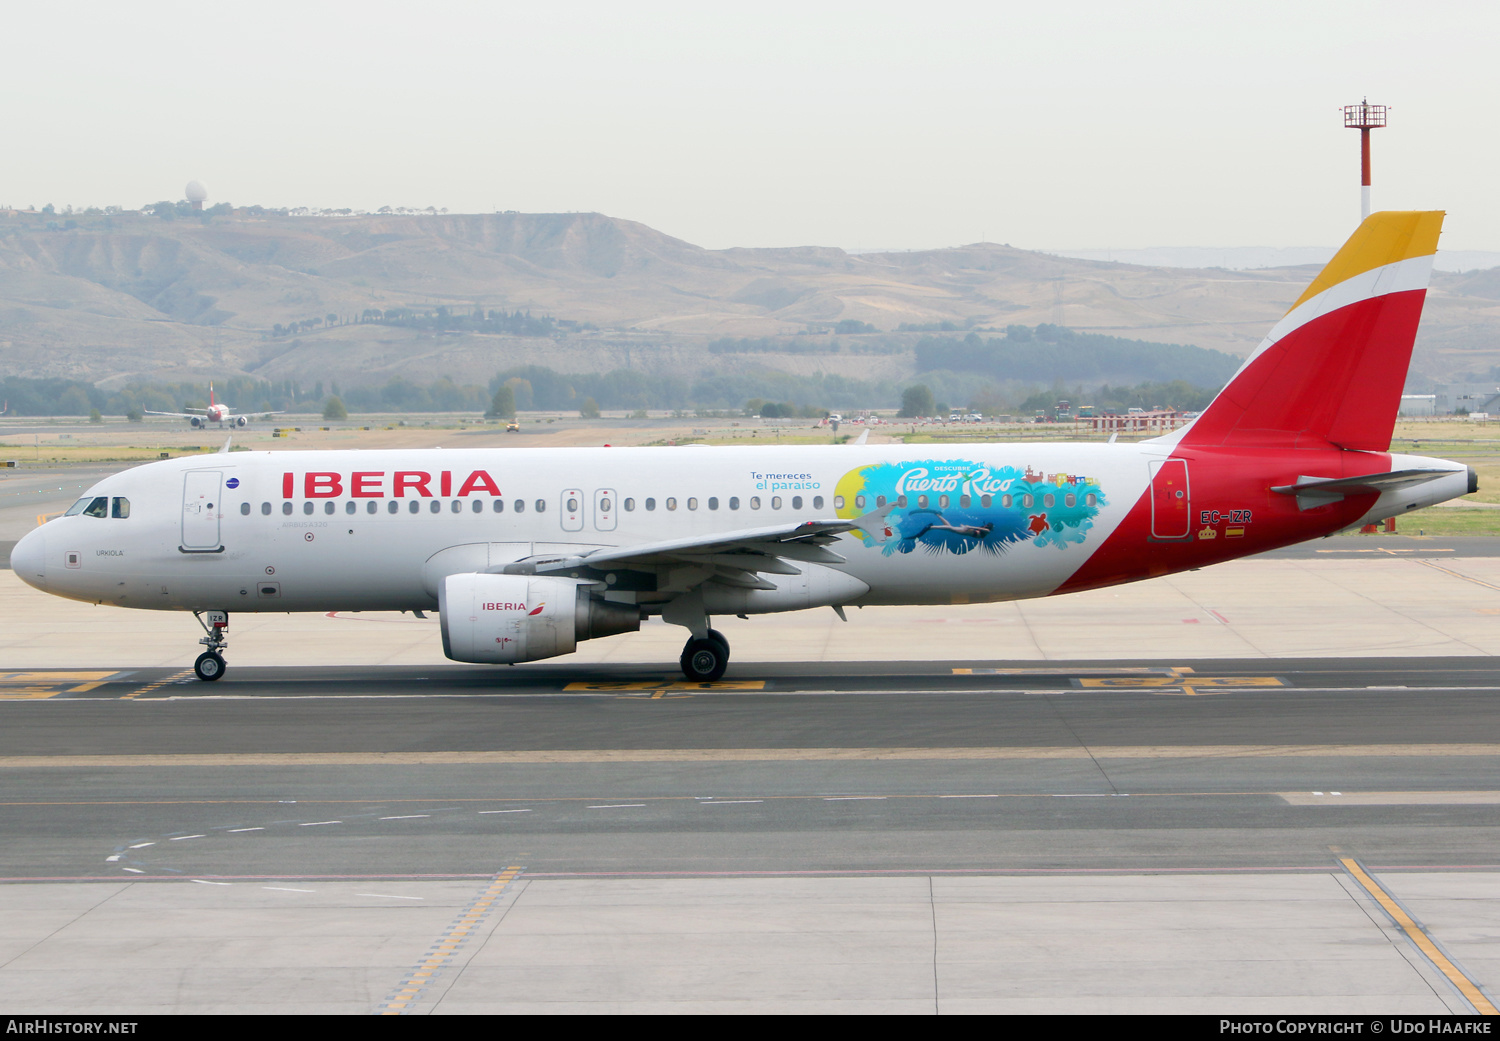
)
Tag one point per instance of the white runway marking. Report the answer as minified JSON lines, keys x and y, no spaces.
{"x":618,"y":806}
{"x":284,"y":889}
{"x":504,"y":811}
{"x":408,"y":817}
{"x":233,"y":831}
{"x":317,"y":824}
{"x":180,"y":838}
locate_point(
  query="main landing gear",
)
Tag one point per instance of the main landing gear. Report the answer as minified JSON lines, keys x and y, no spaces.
{"x":210,"y":664}
{"x":704,"y":660}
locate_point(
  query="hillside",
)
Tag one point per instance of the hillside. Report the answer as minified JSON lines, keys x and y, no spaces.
{"x":125,"y":295}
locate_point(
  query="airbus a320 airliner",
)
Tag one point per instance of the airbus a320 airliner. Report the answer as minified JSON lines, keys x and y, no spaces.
{"x":527,"y":552}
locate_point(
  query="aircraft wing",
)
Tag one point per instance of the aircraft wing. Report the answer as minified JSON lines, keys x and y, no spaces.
{"x":175,"y":415}
{"x":736,"y":556}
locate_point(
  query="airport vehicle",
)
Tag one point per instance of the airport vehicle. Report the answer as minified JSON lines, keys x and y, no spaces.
{"x":217,"y":412}
{"x":527,"y":552}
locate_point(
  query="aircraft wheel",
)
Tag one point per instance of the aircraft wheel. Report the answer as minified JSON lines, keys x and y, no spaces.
{"x":209,"y":666}
{"x":704,"y":661}
{"x":718,"y":638}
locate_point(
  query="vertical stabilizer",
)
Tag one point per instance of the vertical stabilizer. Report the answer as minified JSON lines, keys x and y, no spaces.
{"x":1332,"y":370}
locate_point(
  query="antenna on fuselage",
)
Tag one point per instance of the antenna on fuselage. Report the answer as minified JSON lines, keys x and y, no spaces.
{"x":225,"y":449}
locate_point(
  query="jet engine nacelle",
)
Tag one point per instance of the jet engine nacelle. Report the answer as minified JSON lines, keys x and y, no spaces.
{"x":195,"y":422}
{"x":511,"y":618}
{"x":242,"y":421}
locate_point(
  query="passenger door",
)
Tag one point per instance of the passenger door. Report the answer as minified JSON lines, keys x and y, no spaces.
{"x":201,"y":509}
{"x":1171,"y":505}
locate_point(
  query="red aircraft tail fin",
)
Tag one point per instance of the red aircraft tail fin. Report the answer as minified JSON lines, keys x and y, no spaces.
{"x":1332,"y":370}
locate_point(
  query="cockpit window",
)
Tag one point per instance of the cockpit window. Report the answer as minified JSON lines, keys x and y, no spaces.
{"x":78,"y":507}
{"x":98,"y":508}
{"x":121,"y":507}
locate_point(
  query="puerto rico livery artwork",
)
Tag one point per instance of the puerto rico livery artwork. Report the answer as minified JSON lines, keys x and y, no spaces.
{"x":525,"y":552}
{"x":958,"y":505}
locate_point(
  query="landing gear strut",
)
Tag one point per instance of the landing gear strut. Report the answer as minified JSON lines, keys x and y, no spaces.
{"x":704,"y":660}
{"x":210,"y":664}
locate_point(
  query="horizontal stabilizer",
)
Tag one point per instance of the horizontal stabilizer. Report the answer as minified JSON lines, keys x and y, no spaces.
{"x":1312,"y":492}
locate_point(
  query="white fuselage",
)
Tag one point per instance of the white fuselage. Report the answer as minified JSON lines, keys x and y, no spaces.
{"x":379,"y":530}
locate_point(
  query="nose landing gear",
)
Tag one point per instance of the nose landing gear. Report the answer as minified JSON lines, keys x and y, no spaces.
{"x":210,"y":664}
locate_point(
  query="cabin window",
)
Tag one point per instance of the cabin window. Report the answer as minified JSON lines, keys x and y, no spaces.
{"x":455,"y":506}
{"x":499,"y":505}
{"x":629,"y":505}
{"x":963,"y":502}
{"x":328,"y":507}
{"x":838,"y":502}
{"x":414,"y":507}
{"x":435,"y":506}
{"x":1091,"y":499}
{"x":734,"y":502}
{"x":478,"y":506}
{"x":244,"y":509}
{"x":671,"y":504}
{"x":692,"y":504}
{"x":286,"y":509}
{"x":1070,"y":499}
{"x":1027,"y":501}
{"x":775,"y":502}
{"x":901,"y":501}
{"x":713,"y":502}
{"x":541,"y":506}
{"x":307,"y":509}
{"x":755,"y":502}
{"x":572,"y":505}
{"x":351,"y":507}
{"x":372,"y":506}
{"x":1049,"y":500}
{"x":391,"y":507}
{"x":520,"y":506}
{"x":650,"y":504}
{"x":921,"y":502}
{"x":859,"y":502}
{"x":879,"y":501}
{"x":265,"y":509}
{"x":817,"y":502}
{"x":796,"y":502}
{"x":604,"y":505}
{"x":942,"y":502}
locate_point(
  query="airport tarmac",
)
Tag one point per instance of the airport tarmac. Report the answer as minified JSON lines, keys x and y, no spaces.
{"x":1268,"y":786}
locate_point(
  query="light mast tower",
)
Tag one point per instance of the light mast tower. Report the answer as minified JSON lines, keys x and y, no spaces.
{"x":1364,"y":117}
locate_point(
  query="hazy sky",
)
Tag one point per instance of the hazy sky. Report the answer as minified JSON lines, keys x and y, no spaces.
{"x":1085,"y":124}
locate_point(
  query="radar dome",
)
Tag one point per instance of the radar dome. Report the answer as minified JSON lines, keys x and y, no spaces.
{"x":195,"y":192}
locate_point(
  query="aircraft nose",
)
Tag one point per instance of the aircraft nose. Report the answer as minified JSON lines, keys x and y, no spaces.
{"x":28,"y":559}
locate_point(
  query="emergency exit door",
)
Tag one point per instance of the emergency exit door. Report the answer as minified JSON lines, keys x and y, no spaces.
{"x":1171,"y":505}
{"x":605,"y":505}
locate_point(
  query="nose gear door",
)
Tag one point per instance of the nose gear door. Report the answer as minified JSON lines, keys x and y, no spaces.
{"x":201,"y":510}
